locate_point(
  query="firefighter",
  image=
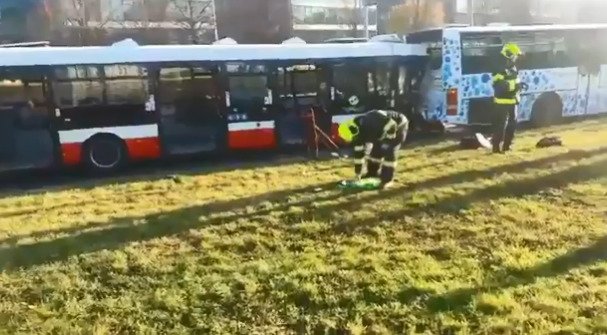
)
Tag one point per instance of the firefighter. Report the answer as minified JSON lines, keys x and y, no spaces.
{"x":507,"y":86}
{"x":385,"y":131}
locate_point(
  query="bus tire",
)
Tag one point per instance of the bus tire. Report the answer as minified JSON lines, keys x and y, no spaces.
{"x":104,"y":154}
{"x":547,"y":110}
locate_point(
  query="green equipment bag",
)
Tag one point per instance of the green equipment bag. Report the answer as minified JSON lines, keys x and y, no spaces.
{"x":363,"y":184}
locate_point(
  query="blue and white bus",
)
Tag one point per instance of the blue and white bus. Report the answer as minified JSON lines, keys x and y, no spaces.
{"x":564,"y":66}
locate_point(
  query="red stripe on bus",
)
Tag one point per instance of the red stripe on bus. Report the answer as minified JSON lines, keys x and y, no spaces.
{"x":143,"y":148}
{"x":252,"y":139}
{"x":71,"y":153}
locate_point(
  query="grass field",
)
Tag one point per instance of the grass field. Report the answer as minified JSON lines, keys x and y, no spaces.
{"x":466,"y":242}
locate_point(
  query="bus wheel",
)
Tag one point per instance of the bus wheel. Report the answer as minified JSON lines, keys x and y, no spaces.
{"x":547,"y":110}
{"x":104,"y":154}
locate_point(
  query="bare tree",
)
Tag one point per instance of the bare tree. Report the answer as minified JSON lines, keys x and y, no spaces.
{"x":195,"y":16}
{"x":354,"y":15}
{"x":142,"y":19}
{"x":87,"y":18}
{"x":415,"y":15}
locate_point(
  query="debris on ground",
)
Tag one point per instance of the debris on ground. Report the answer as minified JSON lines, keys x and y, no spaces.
{"x":552,"y":141}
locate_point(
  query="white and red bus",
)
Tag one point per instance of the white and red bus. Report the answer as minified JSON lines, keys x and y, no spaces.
{"x":103,"y":107}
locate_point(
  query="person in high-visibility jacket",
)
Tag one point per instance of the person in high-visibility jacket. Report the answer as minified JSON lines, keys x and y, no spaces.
{"x":385,"y":131}
{"x":507,"y":87}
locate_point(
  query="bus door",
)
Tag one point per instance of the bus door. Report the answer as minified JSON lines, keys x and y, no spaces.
{"x":188,"y":101}
{"x":250,"y":108}
{"x":382,"y":93}
{"x":406,"y":91}
{"x":351,"y":89}
{"x":298,"y":93}
{"x":26,"y":140}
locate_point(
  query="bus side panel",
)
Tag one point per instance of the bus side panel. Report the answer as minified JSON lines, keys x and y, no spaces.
{"x":252,"y":135}
{"x":142,"y":142}
{"x":477,"y":91}
{"x":562,"y":81}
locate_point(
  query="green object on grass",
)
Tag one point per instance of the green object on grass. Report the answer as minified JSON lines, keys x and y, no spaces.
{"x":363,"y":184}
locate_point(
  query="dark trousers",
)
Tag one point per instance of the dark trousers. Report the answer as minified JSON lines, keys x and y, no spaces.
{"x":504,"y":126}
{"x":384,"y":155}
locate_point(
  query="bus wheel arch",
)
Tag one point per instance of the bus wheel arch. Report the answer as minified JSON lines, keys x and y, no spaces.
{"x":547,"y":110}
{"x":104,"y":153}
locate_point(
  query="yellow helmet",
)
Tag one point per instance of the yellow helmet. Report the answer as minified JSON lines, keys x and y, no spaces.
{"x":348,"y":130}
{"x":511,"y":51}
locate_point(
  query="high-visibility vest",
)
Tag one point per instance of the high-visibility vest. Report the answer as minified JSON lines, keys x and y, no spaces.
{"x":506,"y":85}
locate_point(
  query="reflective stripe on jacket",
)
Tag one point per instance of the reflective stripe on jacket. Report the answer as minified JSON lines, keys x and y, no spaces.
{"x":506,"y":86}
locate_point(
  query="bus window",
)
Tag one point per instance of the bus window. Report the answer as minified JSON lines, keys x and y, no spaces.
{"x":25,"y":137}
{"x":433,"y":40}
{"x":89,"y":99}
{"x":584,"y":47}
{"x":77,"y":86}
{"x":248,"y":89}
{"x":25,"y":98}
{"x":126,"y":84}
{"x":352,"y":86}
{"x":402,"y":78}
{"x":305,"y":83}
{"x":187,"y":94}
{"x":190,"y":115}
{"x":481,"y":53}
{"x":435,"y":50}
{"x":541,"y":49}
{"x":383,"y":76}
{"x":298,"y":79}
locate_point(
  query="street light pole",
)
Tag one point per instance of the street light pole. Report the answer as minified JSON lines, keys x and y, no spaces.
{"x":215,"y":21}
{"x":366,"y":21}
{"x":470,"y":6}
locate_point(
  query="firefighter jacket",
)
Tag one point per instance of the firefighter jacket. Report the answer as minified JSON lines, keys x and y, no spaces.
{"x":377,"y":127}
{"x":506,"y":86}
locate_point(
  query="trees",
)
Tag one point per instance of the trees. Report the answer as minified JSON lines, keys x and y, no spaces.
{"x":416,"y":14}
{"x":85,"y":20}
{"x":194,"y":16}
{"x":353,"y":16}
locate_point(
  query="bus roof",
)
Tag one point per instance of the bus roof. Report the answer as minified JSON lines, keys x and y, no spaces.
{"x":133,"y":53}
{"x":507,"y":28}
{"x":517,"y":28}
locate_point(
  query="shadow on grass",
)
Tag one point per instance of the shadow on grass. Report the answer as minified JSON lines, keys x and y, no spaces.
{"x":456,"y":203}
{"x":122,"y":231}
{"x":28,"y":182}
{"x":459,"y":300}
{"x":96,"y":236}
{"x":35,"y":182}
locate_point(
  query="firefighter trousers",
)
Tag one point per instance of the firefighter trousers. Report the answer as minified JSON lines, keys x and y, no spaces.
{"x":504,"y":127}
{"x":383,"y":157}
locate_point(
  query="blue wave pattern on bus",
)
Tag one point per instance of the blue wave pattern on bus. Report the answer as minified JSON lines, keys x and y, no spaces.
{"x":562,"y":81}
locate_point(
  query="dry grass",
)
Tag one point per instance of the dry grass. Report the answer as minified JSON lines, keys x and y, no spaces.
{"x":465,"y":243}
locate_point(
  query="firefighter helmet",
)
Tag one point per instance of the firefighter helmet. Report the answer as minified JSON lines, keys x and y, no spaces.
{"x":511,"y":51}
